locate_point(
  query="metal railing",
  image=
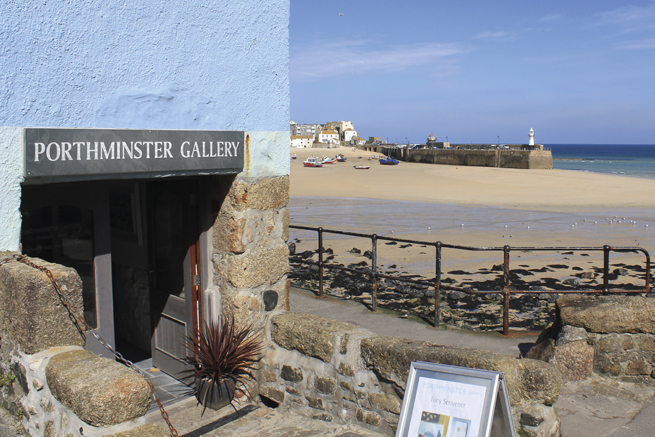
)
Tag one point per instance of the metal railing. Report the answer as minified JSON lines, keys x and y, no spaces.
{"x":506,"y":291}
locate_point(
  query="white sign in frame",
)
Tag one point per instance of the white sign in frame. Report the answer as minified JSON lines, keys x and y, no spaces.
{"x":450,"y":401}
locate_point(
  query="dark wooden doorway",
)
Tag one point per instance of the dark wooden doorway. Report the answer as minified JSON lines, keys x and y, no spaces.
{"x":174,"y":266}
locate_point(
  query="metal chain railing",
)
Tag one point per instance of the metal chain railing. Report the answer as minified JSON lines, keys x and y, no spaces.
{"x":83,"y":327}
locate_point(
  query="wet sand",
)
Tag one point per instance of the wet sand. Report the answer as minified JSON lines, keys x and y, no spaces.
{"x":472,"y":206}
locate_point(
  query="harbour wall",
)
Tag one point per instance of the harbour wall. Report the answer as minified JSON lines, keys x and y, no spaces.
{"x":503,"y":158}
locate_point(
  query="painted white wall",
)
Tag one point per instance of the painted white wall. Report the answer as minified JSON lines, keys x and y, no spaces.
{"x":267,"y":158}
{"x":11,"y":176}
{"x":349,"y":135}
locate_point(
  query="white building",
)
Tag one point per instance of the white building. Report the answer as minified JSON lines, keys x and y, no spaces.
{"x":328,"y":137}
{"x":349,"y":134}
{"x":302,"y":141}
{"x":345,"y":125}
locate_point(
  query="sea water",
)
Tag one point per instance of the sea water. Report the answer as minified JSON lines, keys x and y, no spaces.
{"x":623,"y":159}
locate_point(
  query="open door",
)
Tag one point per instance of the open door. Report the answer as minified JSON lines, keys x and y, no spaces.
{"x":174,"y":272}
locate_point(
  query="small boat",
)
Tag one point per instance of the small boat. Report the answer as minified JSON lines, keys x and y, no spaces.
{"x":312,"y":162}
{"x":341,"y":158}
{"x":389,"y":161}
{"x":294,"y":156}
{"x":361,"y":167}
{"x":327,"y":160}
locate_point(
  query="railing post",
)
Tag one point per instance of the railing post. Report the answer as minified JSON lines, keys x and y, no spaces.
{"x":606,"y":269}
{"x":437,"y":288}
{"x":374,"y":269}
{"x":320,"y":262}
{"x":506,"y":290}
{"x":647,"y":289}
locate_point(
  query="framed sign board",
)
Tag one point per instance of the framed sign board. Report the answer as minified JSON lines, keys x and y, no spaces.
{"x":56,"y":154}
{"x":451,"y":401}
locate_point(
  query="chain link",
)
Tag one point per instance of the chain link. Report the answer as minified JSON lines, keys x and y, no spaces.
{"x":83,"y":327}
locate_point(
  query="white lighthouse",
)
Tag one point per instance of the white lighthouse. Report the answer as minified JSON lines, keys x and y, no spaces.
{"x":531,"y":137}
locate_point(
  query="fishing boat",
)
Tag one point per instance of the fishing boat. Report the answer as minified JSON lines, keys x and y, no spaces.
{"x":327,"y":160}
{"x":294,"y":156}
{"x":361,"y":167}
{"x":388,"y":160}
{"x":341,"y":158}
{"x":312,"y":162}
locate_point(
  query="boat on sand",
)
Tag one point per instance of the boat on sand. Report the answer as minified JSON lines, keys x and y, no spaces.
{"x":388,"y":160}
{"x":312,"y":162}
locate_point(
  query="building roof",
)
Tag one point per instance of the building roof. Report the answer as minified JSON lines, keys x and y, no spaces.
{"x":301,"y":137}
{"x":328,"y":132}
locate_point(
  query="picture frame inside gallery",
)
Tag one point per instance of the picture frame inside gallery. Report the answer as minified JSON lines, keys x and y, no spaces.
{"x":451,"y":401}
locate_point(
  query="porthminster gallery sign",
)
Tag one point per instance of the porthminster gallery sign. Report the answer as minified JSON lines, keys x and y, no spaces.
{"x":101,"y":153}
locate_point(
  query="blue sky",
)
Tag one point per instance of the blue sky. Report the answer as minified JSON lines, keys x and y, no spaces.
{"x":575,"y":71}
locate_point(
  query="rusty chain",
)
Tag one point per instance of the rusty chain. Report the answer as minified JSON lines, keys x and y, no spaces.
{"x":84,"y":327}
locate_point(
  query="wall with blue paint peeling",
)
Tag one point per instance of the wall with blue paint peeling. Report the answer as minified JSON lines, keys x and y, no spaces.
{"x":145,"y":64}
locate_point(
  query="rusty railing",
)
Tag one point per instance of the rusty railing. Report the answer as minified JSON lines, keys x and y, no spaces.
{"x":439,"y":286}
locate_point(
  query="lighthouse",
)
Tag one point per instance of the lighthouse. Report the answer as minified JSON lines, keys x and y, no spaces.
{"x":531,"y":137}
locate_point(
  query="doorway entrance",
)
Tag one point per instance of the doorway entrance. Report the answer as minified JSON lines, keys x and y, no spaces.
{"x":174,"y":271}
{"x":136,"y":247}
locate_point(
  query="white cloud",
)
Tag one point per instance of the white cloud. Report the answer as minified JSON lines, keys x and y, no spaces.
{"x":643,"y":44}
{"x":351,"y":57}
{"x":497,"y":34}
{"x":639,"y":21}
{"x":629,"y":18}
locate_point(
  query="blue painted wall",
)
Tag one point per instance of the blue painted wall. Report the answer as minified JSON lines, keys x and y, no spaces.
{"x":142,"y":64}
{"x":145,"y":64}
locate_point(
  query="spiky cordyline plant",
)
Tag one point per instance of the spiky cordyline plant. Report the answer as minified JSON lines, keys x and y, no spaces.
{"x":225,"y":351}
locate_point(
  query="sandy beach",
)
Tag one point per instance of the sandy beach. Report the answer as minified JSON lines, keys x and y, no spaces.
{"x":510,"y":188}
{"x":472,"y":206}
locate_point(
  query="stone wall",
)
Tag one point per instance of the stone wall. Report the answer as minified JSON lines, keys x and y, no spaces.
{"x":540,"y":159}
{"x":520,"y":159}
{"x":49,"y":385}
{"x":250,"y":255}
{"x":336,"y":371}
{"x":31,"y":313}
{"x":611,"y":335}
